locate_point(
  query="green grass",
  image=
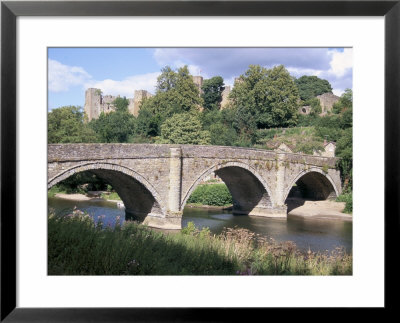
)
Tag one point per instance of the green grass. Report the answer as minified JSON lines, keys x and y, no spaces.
{"x":76,"y":246}
{"x":301,"y":139}
{"x":110,"y":196}
{"x":55,"y":190}
{"x":348,"y":198}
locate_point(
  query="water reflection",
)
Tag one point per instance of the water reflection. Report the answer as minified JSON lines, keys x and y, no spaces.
{"x":317,"y":235}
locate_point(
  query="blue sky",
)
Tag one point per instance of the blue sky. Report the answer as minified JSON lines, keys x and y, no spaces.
{"x":121,"y":71}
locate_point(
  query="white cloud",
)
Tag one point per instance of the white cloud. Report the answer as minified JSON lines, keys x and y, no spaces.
{"x":63,"y":77}
{"x":298,"y":71}
{"x":341,"y":61}
{"x":127,"y":86}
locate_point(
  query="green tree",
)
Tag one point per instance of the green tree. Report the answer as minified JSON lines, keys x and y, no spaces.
{"x":265,"y":98}
{"x":114,"y":126}
{"x":344,"y":150}
{"x":176,"y":93}
{"x":345,"y":102}
{"x":166,"y":80}
{"x":311,"y":86}
{"x":212,"y":92}
{"x":184,"y":128}
{"x":315,"y":104}
{"x":121,"y":104}
{"x":65,"y":125}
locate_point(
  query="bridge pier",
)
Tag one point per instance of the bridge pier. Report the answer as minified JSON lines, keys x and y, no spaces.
{"x":170,"y":222}
{"x":173,"y":218}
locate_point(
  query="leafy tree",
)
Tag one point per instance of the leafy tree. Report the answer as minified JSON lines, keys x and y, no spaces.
{"x":344,"y":150}
{"x":311,"y":86}
{"x":65,"y":125}
{"x":315,"y":106}
{"x":345,"y":102}
{"x":222,"y":135}
{"x":265,"y":98}
{"x":121,"y":104}
{"x":212,"y":92}
{"x":166,"y":80}
{"x":114,"y":126}
{"x":184,"y":128}
{"x":176,"y":93}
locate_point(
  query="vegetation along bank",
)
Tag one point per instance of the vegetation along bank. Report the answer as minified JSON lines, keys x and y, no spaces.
{"x":79,"y":246}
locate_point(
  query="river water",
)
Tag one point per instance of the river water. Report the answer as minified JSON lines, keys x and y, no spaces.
{"x":316,"y":235}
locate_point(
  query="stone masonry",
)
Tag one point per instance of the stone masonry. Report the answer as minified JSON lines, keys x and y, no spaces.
{"x":327,"y":100}
{"x":96,"y":102}
{"x":155,"y":181}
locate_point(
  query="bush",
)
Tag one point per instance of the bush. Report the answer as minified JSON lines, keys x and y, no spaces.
{"x":211,"y":194}
{"x":348,"y":198}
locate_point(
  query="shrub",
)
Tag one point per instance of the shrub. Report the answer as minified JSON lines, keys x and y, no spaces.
{"x":348,"y":198}
{"x":211,"y":194}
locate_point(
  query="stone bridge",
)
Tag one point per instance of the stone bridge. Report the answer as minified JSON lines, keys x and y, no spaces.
{"x":155,"y":181}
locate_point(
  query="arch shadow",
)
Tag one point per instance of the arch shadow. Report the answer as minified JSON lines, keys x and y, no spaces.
{"x":139,"y":196}
{"x":313,"y":184}
{"x":248,"y":189}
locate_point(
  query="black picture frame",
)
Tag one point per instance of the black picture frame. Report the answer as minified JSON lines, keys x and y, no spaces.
{"x":10,"y":10}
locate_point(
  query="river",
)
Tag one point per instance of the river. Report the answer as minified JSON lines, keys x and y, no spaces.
{"x":316,"y":235}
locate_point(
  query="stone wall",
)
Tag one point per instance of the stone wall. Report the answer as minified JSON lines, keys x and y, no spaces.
{"x":96,"y":102}
{"x":225,"y":96}
{"x":162,"y":177}
{"x":327,"y":100}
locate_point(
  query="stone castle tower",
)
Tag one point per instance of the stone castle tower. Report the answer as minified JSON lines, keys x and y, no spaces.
{"x":96,"y":102}
{"x":225,"y":96}
{"x":198,"y":80}
{"x":138,"y":97}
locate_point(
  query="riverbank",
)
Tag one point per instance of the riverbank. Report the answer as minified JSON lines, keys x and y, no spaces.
{"x":323,"y":210}
{"x":82,"y":197}
{"x":79,"y":246}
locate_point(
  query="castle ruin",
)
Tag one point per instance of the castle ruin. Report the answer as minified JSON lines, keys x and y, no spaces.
{"x":96,"y":102}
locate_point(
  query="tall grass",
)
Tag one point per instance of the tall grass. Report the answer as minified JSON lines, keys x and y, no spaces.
{"x":78,"y":246}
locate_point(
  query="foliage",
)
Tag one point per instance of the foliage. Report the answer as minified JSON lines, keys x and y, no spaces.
{"x":315,"y":106}
{"x":344,"y":150}
{"x":77,"y":245}
{"x":65,"y":125}
{"x":211,"y":194}
{"x":312,"y":86}
{"x":345,"y":102}
{"x":212,"y":92}
{"x":110,"y":196}
{"x":184,"y":128}
{"x":222,"y":135}
{"x":121,"y":104}
{"x":265,"y":98}
{"x":301,"y":139}
{"x":348,"y":198}
{"x":79,"y":183}
{"x":115,"y":126}
{"x":176,"y":93}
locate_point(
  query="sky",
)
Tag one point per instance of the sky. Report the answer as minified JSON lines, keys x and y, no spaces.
{"x":121,"y":71}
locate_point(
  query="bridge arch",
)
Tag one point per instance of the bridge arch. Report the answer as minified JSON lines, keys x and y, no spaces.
{"x":248,"y":189}
{"x":318,"y":183}
{"x":139,"y":196}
